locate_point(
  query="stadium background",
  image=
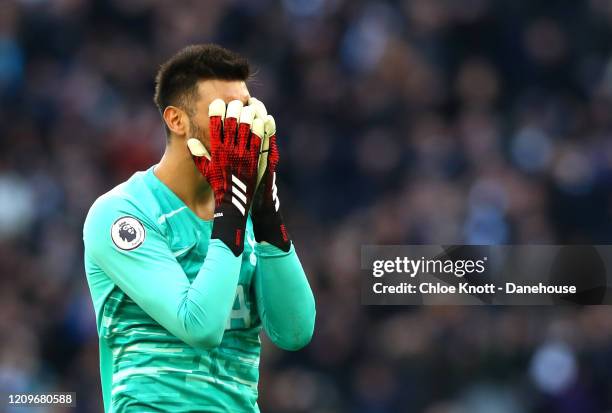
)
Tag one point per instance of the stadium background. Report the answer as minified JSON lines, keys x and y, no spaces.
{"x":427,"y":121}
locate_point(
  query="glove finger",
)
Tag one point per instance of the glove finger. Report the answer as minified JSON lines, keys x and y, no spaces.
{"x":244,"y":129}
{"x":254,"y":152}
{"x":258,"y":128}
{"x":201,"y":157}
{"x":260,"y":109}
{"x":230,"y":126}
{"x":271,"y":147}
{"x":216,"y":114}
{"x":257,"y":132}
{"x":269,"y":130}
{"x":270,"y":126}
{"x":197,"y":149}
{"x":273,"y":155}
{"x":217,"y":108}
{"x":263,"y":160}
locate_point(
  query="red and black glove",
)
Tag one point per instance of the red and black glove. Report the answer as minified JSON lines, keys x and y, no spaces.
{"x":267,"y":218}
{"x":231,"y":167}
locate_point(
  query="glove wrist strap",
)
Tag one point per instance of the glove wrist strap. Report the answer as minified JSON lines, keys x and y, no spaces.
{"x":269,"y":227}
{"x":229,"y":227}
{"x":230,"y":221}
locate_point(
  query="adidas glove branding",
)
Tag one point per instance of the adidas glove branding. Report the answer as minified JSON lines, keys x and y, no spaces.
{"x":239,"y":196}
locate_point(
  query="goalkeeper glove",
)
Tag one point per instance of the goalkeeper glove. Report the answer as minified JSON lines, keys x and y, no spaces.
{"x":267,"y":219}
{"x":230,"y":167}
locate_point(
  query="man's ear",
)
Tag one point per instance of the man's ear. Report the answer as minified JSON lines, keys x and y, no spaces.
{"x":176,"y":120}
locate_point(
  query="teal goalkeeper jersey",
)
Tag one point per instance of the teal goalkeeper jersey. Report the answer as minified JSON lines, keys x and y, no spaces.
{"x":178,"y":315}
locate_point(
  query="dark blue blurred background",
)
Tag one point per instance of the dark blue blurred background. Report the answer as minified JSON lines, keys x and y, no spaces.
{"x":425,"y":121}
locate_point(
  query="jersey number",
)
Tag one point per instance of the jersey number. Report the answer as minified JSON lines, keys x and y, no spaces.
{"x":241,"y":312}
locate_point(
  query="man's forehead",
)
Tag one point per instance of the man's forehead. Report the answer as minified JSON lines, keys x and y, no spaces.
{"x":227,"y":90}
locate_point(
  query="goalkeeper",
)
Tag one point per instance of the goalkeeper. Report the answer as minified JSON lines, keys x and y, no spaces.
{"x":189,"y":260}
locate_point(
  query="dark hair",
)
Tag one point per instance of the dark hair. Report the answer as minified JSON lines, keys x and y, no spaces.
{"x":177,"y":79}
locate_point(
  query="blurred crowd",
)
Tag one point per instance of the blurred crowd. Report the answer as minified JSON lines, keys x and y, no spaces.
{"x":415,"y":121}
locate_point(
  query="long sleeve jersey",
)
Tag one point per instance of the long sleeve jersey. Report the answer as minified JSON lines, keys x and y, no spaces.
{"x":178,"y":315}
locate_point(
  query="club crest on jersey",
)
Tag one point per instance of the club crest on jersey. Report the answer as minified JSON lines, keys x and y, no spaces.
{"x":128,"y":233}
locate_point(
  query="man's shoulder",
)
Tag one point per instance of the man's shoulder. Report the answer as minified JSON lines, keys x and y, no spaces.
{"x":132,"y":197}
